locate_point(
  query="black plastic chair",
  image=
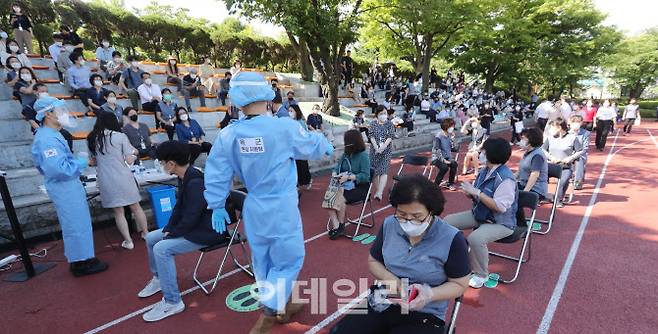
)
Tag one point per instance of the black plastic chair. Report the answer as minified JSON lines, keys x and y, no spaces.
{"x":554,"y":171}
{"x":366,"y":201}
{"x":413,"y":160}
{"x":527,"y":200}
{"x":235,"y":202}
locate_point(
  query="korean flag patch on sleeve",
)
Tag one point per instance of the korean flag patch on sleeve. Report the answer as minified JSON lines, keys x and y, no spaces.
{"x":50,"y":153}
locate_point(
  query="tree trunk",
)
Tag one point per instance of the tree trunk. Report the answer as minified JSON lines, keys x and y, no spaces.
{"x":301,"y":49}
{"x":427,"y":59}
{"x":489,"y":82}
{"x":330,"y":91}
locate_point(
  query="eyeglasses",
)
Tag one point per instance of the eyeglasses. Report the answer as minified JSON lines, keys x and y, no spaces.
{"x":412,"y":219}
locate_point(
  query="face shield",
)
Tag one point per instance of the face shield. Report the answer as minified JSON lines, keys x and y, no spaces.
{"x":60,"y":110}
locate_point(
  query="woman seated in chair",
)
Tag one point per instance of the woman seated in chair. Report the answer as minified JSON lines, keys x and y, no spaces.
{"x":188,"y":230}
{"x":493,"y":216}
{"x":414,"y":251}
{"x":533,"y":168}
{"x":353,"y":173}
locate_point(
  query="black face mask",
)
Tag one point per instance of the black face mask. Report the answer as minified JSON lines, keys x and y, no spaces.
{"x":133,"y":118}
{"x":291,"y":98}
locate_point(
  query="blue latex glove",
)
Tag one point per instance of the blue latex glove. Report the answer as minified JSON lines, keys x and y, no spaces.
{"x":220,"y":219}
{"x":330,"y":150}
{"x":82,"y":163}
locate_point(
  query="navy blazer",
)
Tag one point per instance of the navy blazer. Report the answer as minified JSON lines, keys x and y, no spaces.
{"x":191,"y":219}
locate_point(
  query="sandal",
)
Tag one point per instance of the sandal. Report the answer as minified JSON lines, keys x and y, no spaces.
{"x":337,"y":232}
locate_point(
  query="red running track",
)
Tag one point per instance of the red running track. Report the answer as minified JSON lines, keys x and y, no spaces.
{"x":599,"y":281}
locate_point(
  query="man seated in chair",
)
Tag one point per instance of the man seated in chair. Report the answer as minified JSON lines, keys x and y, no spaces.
{"x":494,"y":196}
{"x":188,"y":230}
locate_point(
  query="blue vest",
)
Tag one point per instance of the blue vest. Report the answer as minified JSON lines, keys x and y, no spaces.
{"x":541,"y":186}
{"x":488,"y":186}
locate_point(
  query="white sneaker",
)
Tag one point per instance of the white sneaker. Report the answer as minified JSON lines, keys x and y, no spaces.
{"x":127,"y":245}
{"x":162,"y":310}
{"x":477,"y":282}
{"x":151,"y":288}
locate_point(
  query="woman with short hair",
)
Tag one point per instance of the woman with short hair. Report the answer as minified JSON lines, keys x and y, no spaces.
{"x":562,"y":148}
{"x":493,"y":215}
{"x":533,"y":168}
{"x":414,"y":251}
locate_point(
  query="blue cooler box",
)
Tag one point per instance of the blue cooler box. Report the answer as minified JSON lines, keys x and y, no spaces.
{"x":163,"y":199}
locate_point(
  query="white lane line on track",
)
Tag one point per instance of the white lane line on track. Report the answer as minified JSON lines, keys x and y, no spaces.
{"x":553,"y":303}
{"x":192,"y":289}
{"x":652,"y":137}
{"x":338,"y":313}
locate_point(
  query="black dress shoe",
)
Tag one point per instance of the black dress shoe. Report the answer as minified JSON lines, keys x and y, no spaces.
{"x":337,"y":232}
{"x":87,"y":267}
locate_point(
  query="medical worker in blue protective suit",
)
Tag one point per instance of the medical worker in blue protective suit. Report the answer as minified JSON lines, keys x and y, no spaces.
{"x":261,"y":150}
{"x":61,"y":172}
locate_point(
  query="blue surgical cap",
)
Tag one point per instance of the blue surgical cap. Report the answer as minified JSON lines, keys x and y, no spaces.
{"x":249,"y":87}
{"x":46,"y":104}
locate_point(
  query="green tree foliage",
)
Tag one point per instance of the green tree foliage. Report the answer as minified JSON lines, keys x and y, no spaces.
{"x":326,"y":27}
{"x":634,"y":65}
{"x":547,"y":42}
{"x":415,"y":30}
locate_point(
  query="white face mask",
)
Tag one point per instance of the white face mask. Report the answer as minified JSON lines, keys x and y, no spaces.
{"x":413,"y":230}
{"x":13,"y":48}
{"x":183,"y":117}
{"x":4,"y":35}
{"x":192,"y":75}
{"x":451,"y":130}
{"x":98,"y":83}
{"x":292,"y":114}
{"x":26,"y":76}
{"x":58,"y":43}
{"x":134,"y":64}
{"x":483,"y":158}
{"x":15,"y":65}
{"x":574,"y":126}
{"x":43,"y":94}
{"x":106,"y":44}
{"x":523,"y":142}
{"x":382,"y":117}
{"x":148,"y":81}
{"x":553,"y":132}
{"x":112,"y":99}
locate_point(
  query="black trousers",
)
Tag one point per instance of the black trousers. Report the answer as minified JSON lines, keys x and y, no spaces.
{"x":82,"y":95}
{"x":443,"y":169}
{"x":390,"y":321}
{"x":68,"y":137}
{"x":541,"y":123}
{"x":196,"y":150}
{"x":303,"y":173}
{"x":602,"y":130}
{"x":628,"y":125}
{"x":171,"y":129}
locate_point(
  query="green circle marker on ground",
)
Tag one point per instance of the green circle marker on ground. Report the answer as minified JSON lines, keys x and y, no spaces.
{"x":243,"y":299}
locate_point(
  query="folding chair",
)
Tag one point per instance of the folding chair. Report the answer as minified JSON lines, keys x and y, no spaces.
{"x":523,"y":229}
{"x":413,"y":160}
{"x":554,"y":171}
{"x":450,"y":329}
{"x":366,"y":201}
{"x":236,"y":199}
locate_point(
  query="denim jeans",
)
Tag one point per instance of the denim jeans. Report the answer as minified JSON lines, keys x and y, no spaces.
{"x":161,"y":254}
{"x":564,"y":183}
{"x":579,"y":169}
{"x":199,"y":91}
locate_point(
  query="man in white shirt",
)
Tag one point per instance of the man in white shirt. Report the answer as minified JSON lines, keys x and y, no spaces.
{"x":604,"y":121}
{"x":55,"y":50}
{"x":149,"y":93}
{"x":631,"y":113}
{"x":565,"y":109}
{"x":543,"y":111}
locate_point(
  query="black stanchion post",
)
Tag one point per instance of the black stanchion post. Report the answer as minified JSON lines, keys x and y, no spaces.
{"x":31,"y":270}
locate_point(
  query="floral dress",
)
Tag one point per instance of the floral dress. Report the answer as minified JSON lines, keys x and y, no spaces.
{"x":380,"y":162}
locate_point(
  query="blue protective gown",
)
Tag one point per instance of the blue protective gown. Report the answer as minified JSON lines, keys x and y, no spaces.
{"x":262,"y":152}
{"x":53,"y":158}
